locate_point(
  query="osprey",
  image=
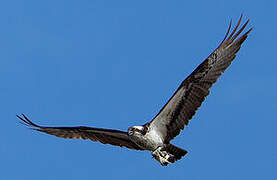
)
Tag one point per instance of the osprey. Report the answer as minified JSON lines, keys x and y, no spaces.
{"x":155,"y":136}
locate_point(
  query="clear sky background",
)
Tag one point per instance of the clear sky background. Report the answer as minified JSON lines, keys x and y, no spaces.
{"x":114,"y":64}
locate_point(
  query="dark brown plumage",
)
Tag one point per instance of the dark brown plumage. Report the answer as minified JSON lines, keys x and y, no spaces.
{"x":176,"y":113}
{"x":105,"y":136}
{"x":192,"y":92}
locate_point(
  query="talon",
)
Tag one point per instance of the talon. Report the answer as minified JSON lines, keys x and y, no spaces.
{"x":163,"y":157}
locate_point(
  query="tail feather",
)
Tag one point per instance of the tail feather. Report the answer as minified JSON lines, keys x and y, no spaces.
{"x":177,"y":152}
{"x":168,"y":154}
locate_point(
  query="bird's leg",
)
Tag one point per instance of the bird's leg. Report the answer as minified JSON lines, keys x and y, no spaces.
{"x":162,"y":156}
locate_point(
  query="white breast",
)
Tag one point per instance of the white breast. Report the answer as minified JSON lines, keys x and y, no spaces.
{"x":154,"y":137}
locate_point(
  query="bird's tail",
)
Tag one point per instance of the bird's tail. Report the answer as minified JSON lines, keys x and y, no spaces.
{"x":177,"y":152}
{"x":168,"y":154}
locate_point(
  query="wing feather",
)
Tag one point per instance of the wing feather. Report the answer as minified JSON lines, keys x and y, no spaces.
{"x":192,"y":92}
{"x":105,"y":136}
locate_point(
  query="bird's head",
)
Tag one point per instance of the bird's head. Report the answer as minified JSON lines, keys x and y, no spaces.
{"x":136,"y":130}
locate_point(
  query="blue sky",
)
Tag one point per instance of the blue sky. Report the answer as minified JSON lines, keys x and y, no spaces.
{"x":114,"y":64}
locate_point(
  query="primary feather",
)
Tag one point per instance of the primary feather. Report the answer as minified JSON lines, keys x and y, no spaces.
{"x":175,"y":114}
{"x":192,"y":92}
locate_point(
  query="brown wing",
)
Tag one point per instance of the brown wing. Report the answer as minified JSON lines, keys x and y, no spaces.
{"x":192,"y":92}
{"x":105,"y":136}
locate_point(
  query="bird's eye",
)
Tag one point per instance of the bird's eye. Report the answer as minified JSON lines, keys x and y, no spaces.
{"x":130,"y":133}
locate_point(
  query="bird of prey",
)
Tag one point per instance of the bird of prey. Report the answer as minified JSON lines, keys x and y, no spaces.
{"x":155,"y":136}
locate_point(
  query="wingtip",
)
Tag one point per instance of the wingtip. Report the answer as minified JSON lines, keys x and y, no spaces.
{"x":234,"y":34}
{"x":249,"y":30}
{"x":26,"y":121}
{"x":227,"y":33}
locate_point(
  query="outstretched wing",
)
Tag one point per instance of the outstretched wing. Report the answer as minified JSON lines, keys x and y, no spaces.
{"x":192,"y":92}
{"x":105,"y":136}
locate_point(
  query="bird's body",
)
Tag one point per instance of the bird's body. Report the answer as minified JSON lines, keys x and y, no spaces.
{"x":149,"y":139}
{"x":155,"y":136}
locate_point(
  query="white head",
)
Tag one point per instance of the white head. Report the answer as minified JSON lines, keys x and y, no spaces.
{"x":136,"y":130}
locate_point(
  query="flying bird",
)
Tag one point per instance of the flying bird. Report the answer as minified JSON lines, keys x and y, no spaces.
{"x":155,"y":136}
